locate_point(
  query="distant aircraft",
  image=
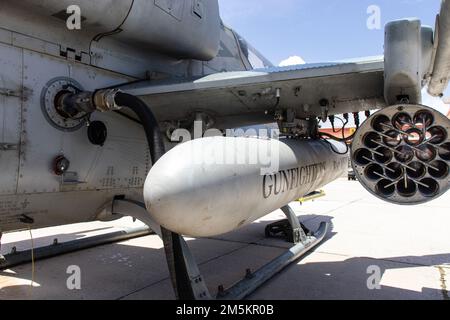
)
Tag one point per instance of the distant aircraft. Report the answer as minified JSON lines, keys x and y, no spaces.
{"x":97,"y":99}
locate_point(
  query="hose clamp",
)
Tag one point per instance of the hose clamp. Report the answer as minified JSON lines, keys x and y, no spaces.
{"x":105,"y":100}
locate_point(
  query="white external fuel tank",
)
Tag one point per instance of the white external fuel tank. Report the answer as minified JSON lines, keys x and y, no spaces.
{"x":212,"y":186}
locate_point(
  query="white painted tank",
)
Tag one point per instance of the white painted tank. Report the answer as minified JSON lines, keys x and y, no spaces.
{"x":212,"y":186}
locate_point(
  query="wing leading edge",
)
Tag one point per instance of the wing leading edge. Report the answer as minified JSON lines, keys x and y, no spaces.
{"x":247,"y":97}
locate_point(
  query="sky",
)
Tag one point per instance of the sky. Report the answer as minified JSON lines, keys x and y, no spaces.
{"x":293,"y":31}
{"x":319,"y":30}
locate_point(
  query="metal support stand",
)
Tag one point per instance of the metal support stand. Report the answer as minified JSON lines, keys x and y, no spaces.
{"x":16,"y":258}
{"x":250,"y":283}
{"x":185,"y":275}
{"x":298,"y":234}
{"x":195,"y":286}
{"x":304,"y":242}
{"x":187,"y":280}
{"x":290,"y":228}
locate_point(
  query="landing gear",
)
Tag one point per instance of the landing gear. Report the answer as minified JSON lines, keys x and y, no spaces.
{"x":185,"y":275}
{"x":304,"y":241}
{"x":16,"y":258}
{"x":290,"y":229}
{"x":186,"y":279}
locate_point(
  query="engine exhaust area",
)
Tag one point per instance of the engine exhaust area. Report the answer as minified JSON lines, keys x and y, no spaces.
{"x":401,"y":154}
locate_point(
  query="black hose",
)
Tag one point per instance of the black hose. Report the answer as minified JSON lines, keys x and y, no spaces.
{"x":336,"y":138}
{"x":172,"y":241}
{"x":148,"y":120}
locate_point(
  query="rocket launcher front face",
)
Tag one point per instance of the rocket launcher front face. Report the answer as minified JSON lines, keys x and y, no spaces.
{"x":212,"y":186}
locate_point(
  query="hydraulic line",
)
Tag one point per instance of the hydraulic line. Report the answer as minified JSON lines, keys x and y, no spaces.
{"x":172,"y":241}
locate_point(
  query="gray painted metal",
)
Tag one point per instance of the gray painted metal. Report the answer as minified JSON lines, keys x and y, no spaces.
{"x":113,"y":48}
{"x":30,"y":143}
{"x":10,"y":108}
{"x":48,"y":95}
{"x":236,"y":99}
{"x":299,"y":234}
{"x":30,"y":55}
{"x":254,"y":280}
{"x":181,"y":29}
{"x":175,"y":45}
{"x":36,"y":21}
{"x":58,"y":208}
{"x":139,"y":38}
{"x":400,"y":169}
{"x":404,"y":73}
{"x":441,"y":70}
{"x":22,"y":257}
{"x":138,"y":210}
{"x":192,"y":192}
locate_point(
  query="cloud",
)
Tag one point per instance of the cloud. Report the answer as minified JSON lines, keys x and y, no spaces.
{"x":291,"y":61}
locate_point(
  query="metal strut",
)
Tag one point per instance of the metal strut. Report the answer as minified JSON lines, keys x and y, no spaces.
{"x":16,"y":258}
{"x":304,"y":242}
{"x":185,"y":275}
{"x":186,"y":279}
{"x":290,"y":228}
{"x":184,"y":272}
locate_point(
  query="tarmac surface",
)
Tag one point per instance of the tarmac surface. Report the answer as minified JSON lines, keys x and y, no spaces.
{"x":406,"y":248}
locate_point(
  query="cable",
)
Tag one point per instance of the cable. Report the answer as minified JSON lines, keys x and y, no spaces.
{"x":148,"y":120}
{"x":331,"y":119}
{"x":344,"y":124}
{"x":343,"y":139}
{"x":173,"y":246}
{"x":357,"y":119}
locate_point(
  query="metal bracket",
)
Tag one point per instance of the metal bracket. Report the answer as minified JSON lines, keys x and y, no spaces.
{"x":189,"y":283}
{"x":254,"y":280}
{"x":72,"y":54}
{"x":8,"y":146}
{"x":290,"y":228}
{"x":16,"y":258}
{"x":10,"y":93}
{"x":299,"y":235}
{"x":193,"y":282}
{"x":197,"y":282}
{"x":70,"y":178}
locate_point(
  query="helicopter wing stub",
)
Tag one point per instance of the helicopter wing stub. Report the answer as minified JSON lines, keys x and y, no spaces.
{"x":348,"y":86}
